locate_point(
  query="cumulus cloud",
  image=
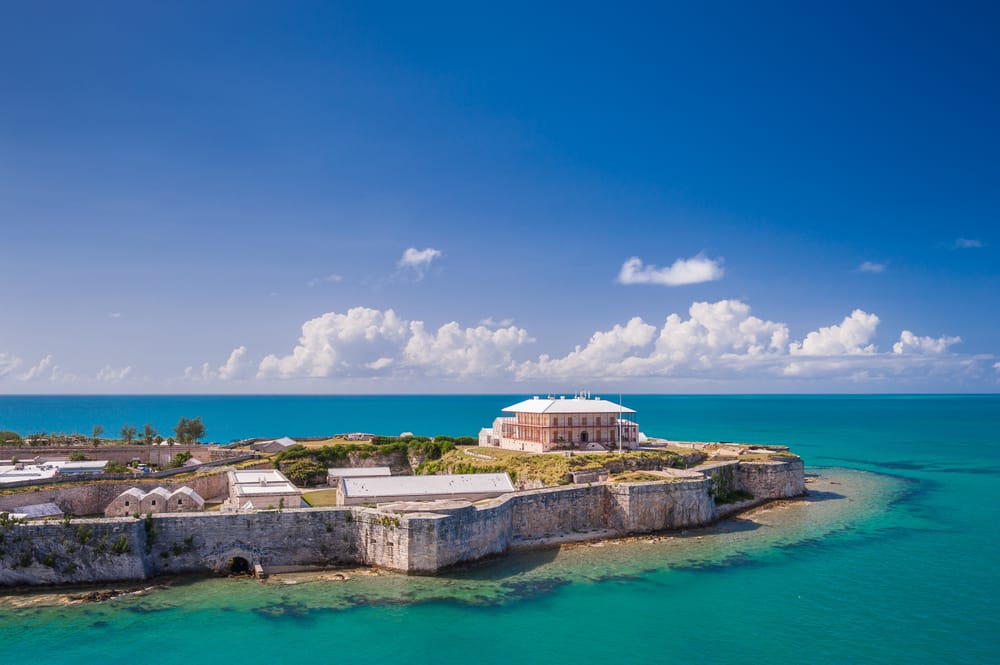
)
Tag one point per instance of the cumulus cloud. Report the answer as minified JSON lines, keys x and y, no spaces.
{"x":8,"y":363}
{"x":47,"y":369}
{"x":109,"y":374}
{"x":872,"y":266}
{"x":910,"y":343}
{"x":457,"y":351}
{"x":339,"y":344}
{"x":722,"y":340}
{"x":371,"y":342}
{"x":683,"y":271}
{"x":418,"y":260}
{"x":852,"y":336}
{"x":966,"y":243}
{"x":235,"y":368}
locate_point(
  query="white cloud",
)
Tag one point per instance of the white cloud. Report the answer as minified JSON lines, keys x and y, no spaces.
{"x":47,"y":369}
{"x":339,"y":344}
{"x":457,"y":351}
{"x":490,"y":322}
{"x":366,"y":342}
{"x":328,"y":279}
{"x":109,"y":374}
{"x":8,"y":363}
{"x":114,"y":315}
{"x":722,"y":341}
{"x":418,"y":260}
{"x":966,"y":243}
{"x":871,"y":266}
{"x":683,"y":271}
{"x":852,"y":336}
{"x":910,"y":343}
{"x":235,"y":368}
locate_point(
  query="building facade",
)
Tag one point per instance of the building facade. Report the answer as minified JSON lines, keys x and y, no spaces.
{"x":540,"y":425}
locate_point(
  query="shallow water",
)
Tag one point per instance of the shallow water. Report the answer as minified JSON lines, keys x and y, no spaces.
{"x":891,"y":560}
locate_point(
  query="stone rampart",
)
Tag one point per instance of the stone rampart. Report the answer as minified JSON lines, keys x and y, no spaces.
{"x":159,"y":455}
{"x":93,"y":498}
{"x":76,"y":551}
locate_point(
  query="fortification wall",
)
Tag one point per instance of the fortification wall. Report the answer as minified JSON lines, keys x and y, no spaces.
{"x":422,"y":543}
{"x":772,"y":480}
{"x":93,"y":498}
{"x":161,"y":455}
{"x":84,"y":551}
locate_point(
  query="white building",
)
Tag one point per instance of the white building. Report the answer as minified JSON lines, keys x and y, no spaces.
{"x":539,"y":425}
{"x":262,"y":489}
{"x":468,"y":486}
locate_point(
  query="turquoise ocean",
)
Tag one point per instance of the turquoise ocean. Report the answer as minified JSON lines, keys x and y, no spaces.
{"x":893,"y":559}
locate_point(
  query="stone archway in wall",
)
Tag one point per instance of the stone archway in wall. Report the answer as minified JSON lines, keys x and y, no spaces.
{"x":237,"y":561}
{"x":584,"y":437}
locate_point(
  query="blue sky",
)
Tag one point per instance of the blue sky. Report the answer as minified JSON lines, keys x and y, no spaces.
{"x":258,"y":197}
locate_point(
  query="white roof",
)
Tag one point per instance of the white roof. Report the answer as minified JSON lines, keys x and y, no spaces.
{"x":427,"y":485}
{"x":87,"y":465}
{"x":570,"y":405}
{"x":262,"y":483}
{"x":363,"y":472}
{"x":257,"y":475}
{"x":187,"y":491}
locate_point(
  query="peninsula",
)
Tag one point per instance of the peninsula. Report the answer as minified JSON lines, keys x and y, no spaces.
{"x":408,"y":504}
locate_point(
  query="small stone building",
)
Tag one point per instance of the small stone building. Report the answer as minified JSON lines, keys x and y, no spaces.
{"x":159,"y":500}
{"x":264,"y":489}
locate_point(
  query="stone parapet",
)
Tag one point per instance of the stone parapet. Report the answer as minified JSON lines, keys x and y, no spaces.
{"x":410,"y":541}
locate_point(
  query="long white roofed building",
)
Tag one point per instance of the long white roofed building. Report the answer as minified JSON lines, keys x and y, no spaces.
{"x":540,"y":425}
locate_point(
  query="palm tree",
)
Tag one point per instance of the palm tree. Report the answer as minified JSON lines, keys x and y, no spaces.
{"x":98,"y":430}
{"x":128,"y":433}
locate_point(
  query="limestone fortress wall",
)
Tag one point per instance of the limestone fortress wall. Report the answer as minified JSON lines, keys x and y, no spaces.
{"x":83,"y":551}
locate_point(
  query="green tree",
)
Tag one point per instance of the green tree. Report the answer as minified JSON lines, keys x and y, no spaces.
{"x":98,"y":431}
{"x":128,"y":434}
{"x":189,"y":430}
{"x":149,"y":434}
{"x":179,"y":460}
{"x":304,"y":471}
{"x":77,"y":457}
{"x":8,"y":438}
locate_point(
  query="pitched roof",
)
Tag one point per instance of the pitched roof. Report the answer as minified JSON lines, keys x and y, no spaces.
{"x":571,"y":405}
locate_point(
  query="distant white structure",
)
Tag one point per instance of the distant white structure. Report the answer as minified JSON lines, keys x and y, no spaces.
{"x":539,"y":425}
{"x":261,"y":489}
{"x":334,"y":475}
{"x":274,"y":445}
{"x":14,"y":473}
{"x":158,"y":500}
{"x":468,"y":486}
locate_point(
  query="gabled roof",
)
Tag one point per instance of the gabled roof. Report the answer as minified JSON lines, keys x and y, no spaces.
{"x":564,"y":405}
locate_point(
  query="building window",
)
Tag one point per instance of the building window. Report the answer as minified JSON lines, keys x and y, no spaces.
{"x":179,"y":502}
{"x":126,"y":504}
{"x":154,"y":502}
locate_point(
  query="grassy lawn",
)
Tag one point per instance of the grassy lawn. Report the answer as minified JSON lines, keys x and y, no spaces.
{"x":333,"y":441}
{"x":321,"y":498}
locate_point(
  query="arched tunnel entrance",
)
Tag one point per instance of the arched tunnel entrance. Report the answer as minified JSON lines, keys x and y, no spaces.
{"x":238,"y":566}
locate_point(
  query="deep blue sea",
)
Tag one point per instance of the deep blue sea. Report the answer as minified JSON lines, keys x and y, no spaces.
{"x":893,"y":560}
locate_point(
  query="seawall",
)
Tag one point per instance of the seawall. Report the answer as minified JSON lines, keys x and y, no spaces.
{"x":426,"y":541}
